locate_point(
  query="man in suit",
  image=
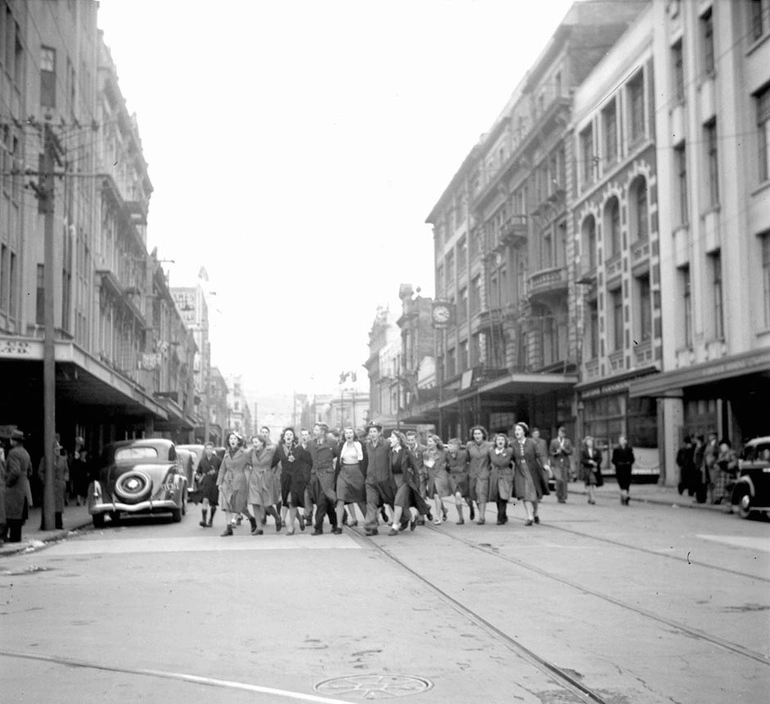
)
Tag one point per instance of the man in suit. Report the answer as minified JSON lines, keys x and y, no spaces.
{"x":380,"y":485}
{"x":322,"y":487}
{"x":561,"y":451}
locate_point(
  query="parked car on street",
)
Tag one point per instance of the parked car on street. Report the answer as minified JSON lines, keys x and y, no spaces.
{"x":195,"y":452}
{"x":751,"y":491}
{"x":138,"y":477}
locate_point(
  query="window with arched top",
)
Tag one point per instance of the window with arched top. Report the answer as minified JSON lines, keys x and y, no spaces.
{"x":588,"y":243}
{"x":639,"y":211}
{"x":612,"y":228}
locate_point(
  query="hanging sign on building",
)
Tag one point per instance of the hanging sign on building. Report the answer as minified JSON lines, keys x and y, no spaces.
{"x":149,"y":362}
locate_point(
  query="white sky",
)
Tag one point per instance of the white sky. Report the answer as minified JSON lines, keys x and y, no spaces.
{"x":296,"y":149}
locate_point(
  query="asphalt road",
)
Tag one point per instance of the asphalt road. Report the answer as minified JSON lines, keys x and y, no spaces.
{"x":640,"y":604}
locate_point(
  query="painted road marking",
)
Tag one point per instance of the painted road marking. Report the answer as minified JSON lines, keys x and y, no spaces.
{"x":209,"y":681}
{"x":118,"y":546}
{"x":762,"y":544}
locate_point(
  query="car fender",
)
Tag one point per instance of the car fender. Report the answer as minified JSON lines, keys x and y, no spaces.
{"x":745,"y":480}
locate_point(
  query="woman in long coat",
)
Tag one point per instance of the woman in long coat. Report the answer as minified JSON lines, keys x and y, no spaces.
{"x":501,"y":475}
{"x":434,"y":461}
{"x":351,"y":475}
{"x":263,"y":491}
{"x":233,"y":482}
{"x":591,"y":464}
{"x":407,"y":481}
{"x":296,"y":464}
{"x":478,"y":469}
{"x":529,"y":484}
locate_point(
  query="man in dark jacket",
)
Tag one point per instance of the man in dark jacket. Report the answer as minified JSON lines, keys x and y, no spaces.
{"x":18,"y":470}
{"x":322,"y":487}
{"x":416,"y":449}
{"x":380,"y":485}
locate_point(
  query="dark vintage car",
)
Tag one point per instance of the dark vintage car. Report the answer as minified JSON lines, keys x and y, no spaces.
{"x":751,"y":491}
{"x":138,"y":477}
{"x":197,"y":452}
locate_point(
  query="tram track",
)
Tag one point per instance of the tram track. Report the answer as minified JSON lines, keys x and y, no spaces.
{"x":559,"y":675}
{"x":655,"y":553}
{"x":545,"y":665}
{"x":681,"y":627}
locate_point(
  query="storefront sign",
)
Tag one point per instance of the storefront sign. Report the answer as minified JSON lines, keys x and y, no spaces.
{"x":15,"y":348}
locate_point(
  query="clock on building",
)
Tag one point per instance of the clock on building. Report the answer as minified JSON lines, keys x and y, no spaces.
{"x":441,"y":313}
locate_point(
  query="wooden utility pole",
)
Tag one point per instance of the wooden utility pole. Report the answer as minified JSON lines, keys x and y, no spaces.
{"x":51,"y":156}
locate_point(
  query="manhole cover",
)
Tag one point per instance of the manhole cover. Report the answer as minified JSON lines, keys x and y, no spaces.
{"x":375,"y":686}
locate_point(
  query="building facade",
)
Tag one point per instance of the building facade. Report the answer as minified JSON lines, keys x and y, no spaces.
{"x":504,"y":251}
{"x":123,"y":358}
{"x":614,"y":216}
{"x":712,"y":78}
{"x":383,"y":366}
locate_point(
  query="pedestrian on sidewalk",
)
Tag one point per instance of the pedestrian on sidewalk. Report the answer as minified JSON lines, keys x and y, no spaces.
{"x":61,"y":476}
{"x":206,"y":481}
{"x":263,"y":493}
{"x":79,"y":472}
{"x":501,"y":474}
{"x":530,"y":484}
{"x":296,"y":464}
{"x":459,"y":483}
{"x":18,"y":470}
{"x":478,"y":469}
{"x":233,"y":483}
{"x":408,"y":505}
{"x":685,"y":460}
{"x":623,"y":459}
{"x":434,"y":461}
{"x":711,"y":470}
{"x":591,"y":465}
{"x":561,"y":463}
{"x":351,"y":476}
{"x":701,"y":481}
{"x":727,"y":466}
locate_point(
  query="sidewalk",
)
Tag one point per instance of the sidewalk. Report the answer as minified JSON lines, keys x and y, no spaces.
{"x":646,"y":493}
{"x":74,"y":517}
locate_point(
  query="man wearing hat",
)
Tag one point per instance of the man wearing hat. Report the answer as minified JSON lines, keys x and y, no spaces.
{"x":17,"y":473}
{"x":380,"y":485}
{"x":322,"y":487}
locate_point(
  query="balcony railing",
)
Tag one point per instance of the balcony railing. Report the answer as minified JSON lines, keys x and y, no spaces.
{"x":547,"y":282}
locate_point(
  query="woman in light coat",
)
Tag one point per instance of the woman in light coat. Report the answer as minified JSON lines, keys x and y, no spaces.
{"x":263,"y":492}
{"x":591,"y":464}
{"x":233,"y":483}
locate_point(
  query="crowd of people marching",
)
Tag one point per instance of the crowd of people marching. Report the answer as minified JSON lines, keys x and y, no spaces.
{"x":301,"y":480}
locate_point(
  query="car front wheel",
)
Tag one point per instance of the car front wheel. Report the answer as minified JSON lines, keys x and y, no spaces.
{"x":742,"y":497}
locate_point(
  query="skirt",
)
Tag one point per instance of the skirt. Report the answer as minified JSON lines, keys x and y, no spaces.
{"x":350,"y":484}
{"x":293,"y":485}
{"x":206,"y":489}
{"x":459,"y":484}
{"x":438,"y":483}
{"x":407,"y":496}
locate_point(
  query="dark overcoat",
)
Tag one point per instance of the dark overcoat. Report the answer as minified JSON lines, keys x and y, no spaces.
{"x":295,"y":475}
{"x":18,"y":470}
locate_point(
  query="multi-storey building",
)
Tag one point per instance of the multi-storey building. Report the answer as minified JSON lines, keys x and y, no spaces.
{"x":383,"y":367}
{"x":239,"y":416}
{"x":417,"y":378}
{"x":123,"y":360}
{"x":503,"y":246}
{"x":712,"y":79}
{"x":614,"y":225}
{"x":217,"y":406}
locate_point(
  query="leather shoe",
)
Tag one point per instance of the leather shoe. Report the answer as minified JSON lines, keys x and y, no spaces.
{"x":528,"y":522}
{"x":537,"y":520}
{"x":337,"y":530}
{"x":393,"y":531}
{"x":317,"y":531}
{"x":228,"y":531}
{"x":372,"y":531}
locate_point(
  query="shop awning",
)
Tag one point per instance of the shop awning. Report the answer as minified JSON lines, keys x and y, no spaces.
{"x":672,"y":383}
{"x":528,"y":384}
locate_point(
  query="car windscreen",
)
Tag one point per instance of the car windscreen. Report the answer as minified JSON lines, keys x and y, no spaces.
{"x":124,"y":454}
